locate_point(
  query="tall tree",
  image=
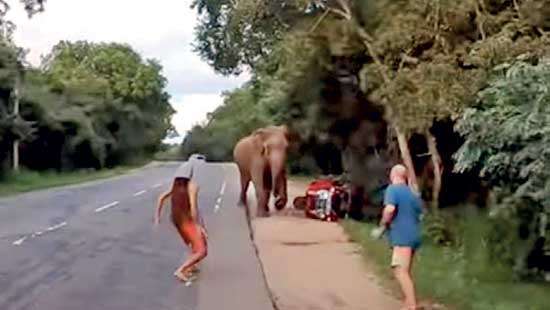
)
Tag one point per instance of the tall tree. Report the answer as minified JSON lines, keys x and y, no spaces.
{"x":139,"y":116}
{"x":422,"y":61}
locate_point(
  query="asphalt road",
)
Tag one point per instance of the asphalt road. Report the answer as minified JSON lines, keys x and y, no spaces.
{"x":93,"y":246}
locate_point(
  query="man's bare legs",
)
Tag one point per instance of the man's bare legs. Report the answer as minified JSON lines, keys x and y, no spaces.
{"x":197,"y":243}
{"x":402,"y":266}
{"x":184,"y":270}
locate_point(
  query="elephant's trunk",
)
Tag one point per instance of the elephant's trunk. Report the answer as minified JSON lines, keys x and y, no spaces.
{"x":278,"y":174}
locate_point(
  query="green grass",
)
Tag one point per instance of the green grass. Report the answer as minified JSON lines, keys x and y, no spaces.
{"x":456,"y":278}
{"x":26,"y":181}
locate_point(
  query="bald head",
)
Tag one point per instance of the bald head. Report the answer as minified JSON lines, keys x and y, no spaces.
{"x":398,"y":174}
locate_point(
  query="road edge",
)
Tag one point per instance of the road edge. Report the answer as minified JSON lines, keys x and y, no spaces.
{"x":249,"y":221}
{"x":269,"y":290}
{"x":100,"y":180}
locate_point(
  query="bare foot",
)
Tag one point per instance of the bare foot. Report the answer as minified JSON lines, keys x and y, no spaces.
{"x":183,"y":277}
{"x":180,"y":276}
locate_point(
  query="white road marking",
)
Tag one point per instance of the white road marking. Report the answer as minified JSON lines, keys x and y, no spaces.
{"x":157,"y":185}
{"x":40,"y":233}
{"x":56,"y":227}
{"x":139,"y":193}
{"x":20,"y":241}
{"x":219,"y":200}
{"x":106,"y":207}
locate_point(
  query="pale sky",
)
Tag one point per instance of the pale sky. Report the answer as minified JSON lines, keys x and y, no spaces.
{"x":161,"y":29}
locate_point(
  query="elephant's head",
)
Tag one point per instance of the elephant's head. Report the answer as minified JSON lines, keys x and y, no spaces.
{"x":275,"y":143}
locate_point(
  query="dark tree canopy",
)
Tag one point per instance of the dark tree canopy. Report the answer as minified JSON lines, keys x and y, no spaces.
{"x":90,"y":105}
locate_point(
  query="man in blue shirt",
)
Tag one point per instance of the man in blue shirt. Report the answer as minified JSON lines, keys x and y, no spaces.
{"x":401,"y":216}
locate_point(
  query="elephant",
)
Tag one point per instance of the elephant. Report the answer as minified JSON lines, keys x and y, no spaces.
{"x":261,"y":158}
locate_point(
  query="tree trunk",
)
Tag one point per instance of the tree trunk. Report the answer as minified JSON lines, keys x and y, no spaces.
{"x":15,"y":156}
{"x":15,"y":149}
{"x":407,"y":158}
{"x":438,"y":168}
{"x":401,"y":137}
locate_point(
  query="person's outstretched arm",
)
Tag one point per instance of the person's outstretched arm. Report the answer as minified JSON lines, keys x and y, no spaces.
{"x":160,"y":205}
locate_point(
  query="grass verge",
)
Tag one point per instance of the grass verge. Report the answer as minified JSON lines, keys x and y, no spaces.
{"x":26,"y":181}
{"x":454,"y":277}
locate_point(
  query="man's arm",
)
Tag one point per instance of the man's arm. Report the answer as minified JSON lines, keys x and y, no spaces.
{"x":160,"y":205}
{"x":193,"y":191}
{"x":387,"y":215}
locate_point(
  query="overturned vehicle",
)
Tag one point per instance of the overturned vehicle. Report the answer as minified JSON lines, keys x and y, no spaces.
{"x":325,"y":200}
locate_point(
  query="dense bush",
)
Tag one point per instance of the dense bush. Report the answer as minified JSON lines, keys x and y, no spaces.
{"x":507,"y":137}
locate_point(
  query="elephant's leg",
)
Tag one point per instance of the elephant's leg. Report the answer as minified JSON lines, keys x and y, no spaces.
{"x":262,"y":195}
{"x":245,"y":181}
{"x":262,"y":185}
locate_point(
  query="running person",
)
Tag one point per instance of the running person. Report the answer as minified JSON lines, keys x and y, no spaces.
{"x":185,"y":217}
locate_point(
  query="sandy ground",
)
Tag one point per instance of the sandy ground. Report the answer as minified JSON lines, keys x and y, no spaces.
{"x":311,"y":265}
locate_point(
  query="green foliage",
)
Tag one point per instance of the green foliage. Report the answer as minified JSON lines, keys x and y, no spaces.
{"x":440,"y":229}
{"x":507,"y":139}
{"x":233,"y":35}
{"x":11,"y":126}
{"x":89,"y":106}
{"x":121,"y":96}
{"x":436,"y":55}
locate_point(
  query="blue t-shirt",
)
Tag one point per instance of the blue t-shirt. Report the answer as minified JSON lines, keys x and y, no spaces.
{"x":405,"y":227}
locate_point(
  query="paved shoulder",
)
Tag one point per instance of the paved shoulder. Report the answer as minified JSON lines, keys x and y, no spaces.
{"x":231,"y":277}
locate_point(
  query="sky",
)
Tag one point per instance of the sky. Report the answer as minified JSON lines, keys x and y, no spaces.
{"x":160,"y":29}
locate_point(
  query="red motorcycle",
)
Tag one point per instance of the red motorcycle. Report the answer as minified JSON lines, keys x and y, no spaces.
{"x":325,"y":200}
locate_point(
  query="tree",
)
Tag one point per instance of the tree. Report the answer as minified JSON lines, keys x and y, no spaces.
{"x":507,"y":137}
{"x":430,"y":58}
{"x":88,"y":106}
{"x":6,"y":30}
{"x":138,"y":116}
{"x":233,"y":35}
{"x":68,"y":129}
{"x":422,"y":61}
{"x":12,"y":126}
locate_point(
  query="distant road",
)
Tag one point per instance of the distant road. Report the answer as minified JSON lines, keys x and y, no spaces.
{"x":93,"y":246}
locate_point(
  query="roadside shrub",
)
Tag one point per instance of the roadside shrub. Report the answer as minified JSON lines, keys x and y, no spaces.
{"x":507,"y":138}
{"x":440,"y":229}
